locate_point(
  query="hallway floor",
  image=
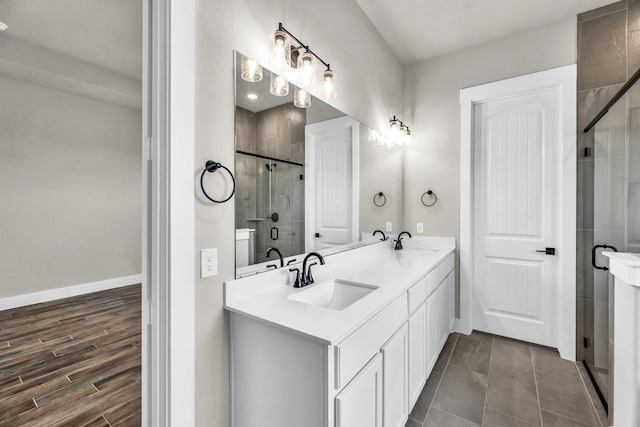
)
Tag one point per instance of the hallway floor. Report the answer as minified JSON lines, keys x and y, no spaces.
{"x":486,"y":380}
{"x":72,"y":362}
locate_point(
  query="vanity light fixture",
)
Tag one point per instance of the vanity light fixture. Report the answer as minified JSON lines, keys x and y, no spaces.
{"x":281,"y":56}
{"x":278,"y":86}
{"x":399,"y":135}
{"x":250,"y":70}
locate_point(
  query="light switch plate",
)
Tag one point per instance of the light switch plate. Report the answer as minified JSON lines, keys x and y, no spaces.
{"x":420,"y":228}
{"x":389,"y":226}
{"x":208,"y":262}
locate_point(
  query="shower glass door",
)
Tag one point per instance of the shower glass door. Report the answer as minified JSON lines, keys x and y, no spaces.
{"x":611,"y":218}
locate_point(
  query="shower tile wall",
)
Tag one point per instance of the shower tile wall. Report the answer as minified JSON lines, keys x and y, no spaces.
{"x":279,"y":133}
{"x":608,"y":54}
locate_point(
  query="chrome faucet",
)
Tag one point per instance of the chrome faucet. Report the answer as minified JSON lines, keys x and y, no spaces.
{"x":307,"y":277}
{"x":381,"y":232}
{"x":398,"y":245}
{"x":276,"y":250}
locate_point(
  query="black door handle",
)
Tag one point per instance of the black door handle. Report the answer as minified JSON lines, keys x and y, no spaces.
{"x":593,"y":255}
{"x":548,"y":251}
{"x":317,"y":234}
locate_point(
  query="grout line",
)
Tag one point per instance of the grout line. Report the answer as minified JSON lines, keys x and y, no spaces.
{"x":94,"y":386}
{"x":20,"y":378}
{"x":435,"y":393}
{"x":34,"y":402}
{"x":106,"y":421}
{"x":535,"y":379}
{"x":486,"y":392}
{"x":586,"y":389}
{"x":68,"y":379}
{"x":568,"y":418}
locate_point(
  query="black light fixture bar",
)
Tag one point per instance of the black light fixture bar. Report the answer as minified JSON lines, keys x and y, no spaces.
{"x":281,"y":28}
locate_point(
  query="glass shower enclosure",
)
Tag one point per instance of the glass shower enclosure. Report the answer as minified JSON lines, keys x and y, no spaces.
{"x":609,"y":220}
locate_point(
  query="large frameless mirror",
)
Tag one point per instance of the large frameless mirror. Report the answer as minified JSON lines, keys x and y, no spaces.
{"x":308,"y":176}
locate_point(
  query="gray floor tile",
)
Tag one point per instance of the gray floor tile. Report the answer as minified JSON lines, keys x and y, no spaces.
{"x":603,"y":417}
{"x":554,"y":420}
{"x":438,"y":418}
{"x":565,"y":395}
{"x":420,"y":409}
{"x":511,"y":354}
{"x":496,"y":419}
{"x":479,"y":336}
{"x":412,"y":423}
{"x":443,"y":358}
{"x":462,"y":393}
{"x":548,"y":358}
{"x":473,"y":354}
{"x":593,"y":395}
{"x":514,"y":393}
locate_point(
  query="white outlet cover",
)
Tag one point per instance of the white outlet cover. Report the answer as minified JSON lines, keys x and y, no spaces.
{"x":389,"y":226}
{"x":208,"y":262}
{"x":420,"y":227}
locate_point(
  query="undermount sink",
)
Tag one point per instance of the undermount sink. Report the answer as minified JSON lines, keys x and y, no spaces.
{"x":333,"y":294}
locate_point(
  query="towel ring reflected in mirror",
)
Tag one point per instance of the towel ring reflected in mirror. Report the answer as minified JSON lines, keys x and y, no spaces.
{"x":379,"y":199}
{"x":432,"y":196}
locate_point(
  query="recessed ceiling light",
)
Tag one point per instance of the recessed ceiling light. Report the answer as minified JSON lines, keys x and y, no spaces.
{"x":252,"y":96}
{"x":3,"y":26}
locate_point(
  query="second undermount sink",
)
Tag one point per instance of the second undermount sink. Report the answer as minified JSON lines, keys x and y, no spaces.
{"x":333,"y":294}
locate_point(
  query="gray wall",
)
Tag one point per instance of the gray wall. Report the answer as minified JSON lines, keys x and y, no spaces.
{"x":347,"y":40}
{"x":70,"y":173}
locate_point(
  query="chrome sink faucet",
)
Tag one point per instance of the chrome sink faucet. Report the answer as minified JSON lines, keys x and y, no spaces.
{"x":398,"y":245}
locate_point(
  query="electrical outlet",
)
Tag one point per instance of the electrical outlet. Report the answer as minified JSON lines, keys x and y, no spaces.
{"x":208,"y":262}
{"x":389,"y":226}
{"x":420,"y":228}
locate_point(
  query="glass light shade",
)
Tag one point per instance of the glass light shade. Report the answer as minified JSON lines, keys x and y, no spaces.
{"x":307,"y":69}
{"x":301,"y":98}
{"x":280,"y":57}
{"x":250,"y":70}
{"x":278,"y":86}
{"x":329,"y":85}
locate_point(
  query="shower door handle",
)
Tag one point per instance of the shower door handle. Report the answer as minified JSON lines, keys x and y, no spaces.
{"x":593,"y":255}
{"x":274,"y":233}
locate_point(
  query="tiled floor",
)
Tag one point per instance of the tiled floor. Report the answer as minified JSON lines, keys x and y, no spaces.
{"x":486,"y":380}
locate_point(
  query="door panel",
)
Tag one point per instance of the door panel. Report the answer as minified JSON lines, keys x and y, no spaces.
{"x":515,"y":207}
{"x":360,"y":403}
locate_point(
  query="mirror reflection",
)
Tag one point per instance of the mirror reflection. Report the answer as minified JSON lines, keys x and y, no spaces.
{"x":306,"y":177}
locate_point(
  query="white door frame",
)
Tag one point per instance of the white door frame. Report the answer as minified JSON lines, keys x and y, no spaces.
{"x":310,"y":184}
{"x":168,"y":230}
{"x":562,"y":79}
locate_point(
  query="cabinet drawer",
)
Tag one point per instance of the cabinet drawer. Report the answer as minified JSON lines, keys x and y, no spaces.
{"x":438,"y":274}
{"x":417,"y":294}
{"x":352,"y":354}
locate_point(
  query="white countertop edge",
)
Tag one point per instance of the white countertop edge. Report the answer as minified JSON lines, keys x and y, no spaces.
{"x":625,"y":266}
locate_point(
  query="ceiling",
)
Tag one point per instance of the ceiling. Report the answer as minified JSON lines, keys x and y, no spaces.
{"x":418,"y":30}
{"x":107,"y":33}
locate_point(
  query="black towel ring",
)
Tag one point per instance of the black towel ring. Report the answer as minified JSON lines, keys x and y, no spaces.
{"x":433,"y":196}
{"x":380,"y":195}
{"x":212,"y":166}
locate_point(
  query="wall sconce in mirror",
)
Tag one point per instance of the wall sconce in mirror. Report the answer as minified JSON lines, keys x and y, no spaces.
{"x":300,"y":57}
{"x":250,"y":70}
{"x":399,"y":135}
{"x":279,"y":85}
{"x":301,"y":98}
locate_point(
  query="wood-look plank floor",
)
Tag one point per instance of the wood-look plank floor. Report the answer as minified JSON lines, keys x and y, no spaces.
{"x":72,"y":362}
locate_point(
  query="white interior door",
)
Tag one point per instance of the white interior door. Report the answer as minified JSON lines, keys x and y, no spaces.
{"x":331,"y":183}
{"x":516,"y":212}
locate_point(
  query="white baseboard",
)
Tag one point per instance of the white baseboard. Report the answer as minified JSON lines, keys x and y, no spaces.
{"x":69,"y":291}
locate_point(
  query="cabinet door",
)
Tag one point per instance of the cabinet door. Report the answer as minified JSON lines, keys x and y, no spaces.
{"x":360,"y":403}
{"x":452,"y":300}
{"x":433,"y":330}
{"x":443,"y":307}
{"x":417,"y":353}
{"x":395,"y":361}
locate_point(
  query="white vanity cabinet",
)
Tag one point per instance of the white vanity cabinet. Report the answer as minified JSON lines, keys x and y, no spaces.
{"x":417,"y":352}
{"x":360,"y":403}
{"x":395,"y":375}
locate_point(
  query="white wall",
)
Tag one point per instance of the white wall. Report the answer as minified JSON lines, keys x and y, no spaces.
{"x":70,"y":192}
{"x":432,"y":110}
{"x":340,"y":33}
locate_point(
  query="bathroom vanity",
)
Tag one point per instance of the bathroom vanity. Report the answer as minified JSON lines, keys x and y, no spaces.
{"x":353,"y":349}
{"x":626,"y":339}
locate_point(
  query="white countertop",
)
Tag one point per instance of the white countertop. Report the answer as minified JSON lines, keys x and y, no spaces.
{"x":625,"y":266}
{"x":264,"y":297}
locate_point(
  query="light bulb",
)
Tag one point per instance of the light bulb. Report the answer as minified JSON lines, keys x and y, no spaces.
{"x":307,"y":69}
{"x":278,"y":86}
{"x":250,"y":71}
{"x":329,"y":85}
{"x":280,"y":51}
{"x":301,"y":98}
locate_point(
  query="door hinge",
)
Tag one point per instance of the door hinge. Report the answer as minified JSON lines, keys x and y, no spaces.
{"x":146,"y":313}
{"x":586,"y":342}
